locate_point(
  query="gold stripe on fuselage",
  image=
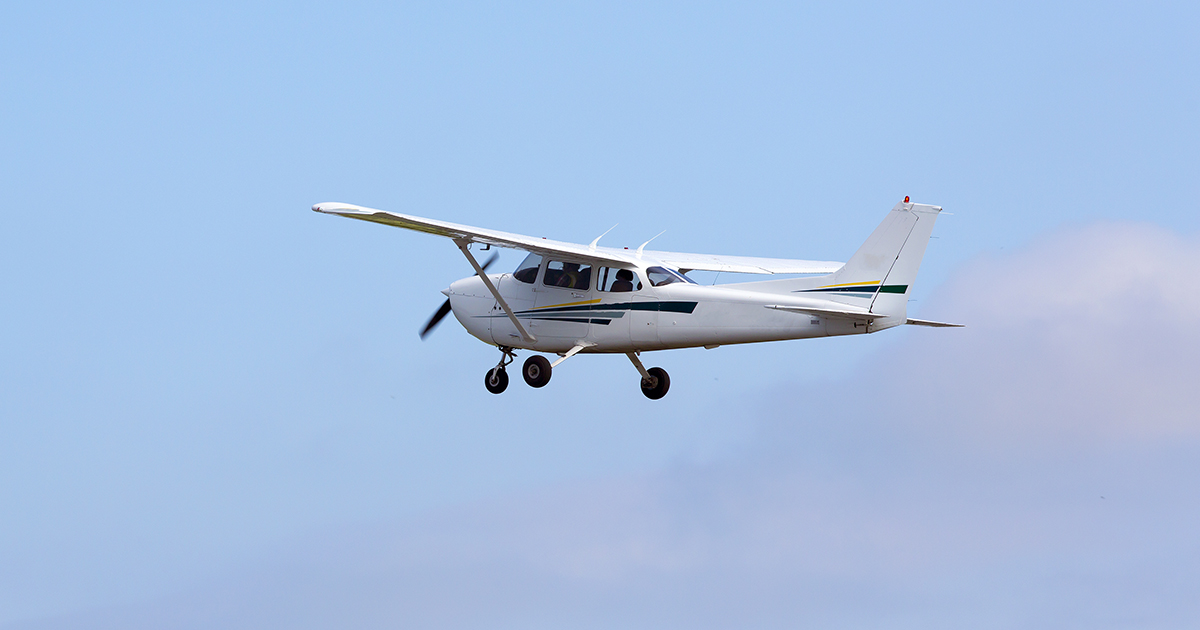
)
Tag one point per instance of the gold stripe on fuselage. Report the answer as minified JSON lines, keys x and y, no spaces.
{"x":849,"y":284}
{"x":595,"y":301}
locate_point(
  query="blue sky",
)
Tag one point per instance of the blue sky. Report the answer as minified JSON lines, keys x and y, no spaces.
{"x":215,"y":410}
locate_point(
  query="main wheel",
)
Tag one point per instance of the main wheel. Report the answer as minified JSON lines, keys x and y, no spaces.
{"x":496,"y":380}
{"x":536,"y":371}
{"x":657,"y":385}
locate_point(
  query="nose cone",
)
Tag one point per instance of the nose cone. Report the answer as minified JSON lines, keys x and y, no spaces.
{"x":470,"y":286}
{"x":472,"y":304}
{"x":446,"y":292}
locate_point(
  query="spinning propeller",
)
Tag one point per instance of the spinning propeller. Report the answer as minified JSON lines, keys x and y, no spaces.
{"x":445,"y":307}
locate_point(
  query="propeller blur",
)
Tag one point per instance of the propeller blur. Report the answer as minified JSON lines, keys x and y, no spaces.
{"x":444,"y":309}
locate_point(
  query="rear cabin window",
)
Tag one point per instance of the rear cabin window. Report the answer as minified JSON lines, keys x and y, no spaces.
{"x":568,"y":275}
{"x":617,"y":280}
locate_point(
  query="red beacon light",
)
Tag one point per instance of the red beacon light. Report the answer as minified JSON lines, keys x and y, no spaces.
{"x":905,"y":198}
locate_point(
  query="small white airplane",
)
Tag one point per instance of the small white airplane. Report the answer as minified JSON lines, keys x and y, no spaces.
{"x":566,"y":298}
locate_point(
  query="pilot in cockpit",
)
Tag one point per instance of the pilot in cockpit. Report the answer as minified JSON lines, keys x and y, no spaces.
{"x":570,"y":275}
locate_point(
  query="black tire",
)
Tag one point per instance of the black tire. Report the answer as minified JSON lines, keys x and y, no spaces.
{"x":496,"y":380}
{"x":657,"y":385}
{"x":536,"y":371}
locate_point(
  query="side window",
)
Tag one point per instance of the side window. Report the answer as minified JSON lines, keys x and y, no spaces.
{"x":617,"y":280}
{"x":527,"y":271}
{"x":568,"y":275}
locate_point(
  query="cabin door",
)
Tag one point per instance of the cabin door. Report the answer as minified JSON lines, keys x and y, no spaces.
{"x":643,"y":317}
{"x":561,"y":315}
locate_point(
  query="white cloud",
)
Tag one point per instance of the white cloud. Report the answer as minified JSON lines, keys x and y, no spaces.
{"x":1091,"y":334}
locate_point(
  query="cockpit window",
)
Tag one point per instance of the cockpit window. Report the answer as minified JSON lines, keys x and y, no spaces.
{"x":661,"y":276}
{"x":527,"y":271}
{"x":568,"y":275}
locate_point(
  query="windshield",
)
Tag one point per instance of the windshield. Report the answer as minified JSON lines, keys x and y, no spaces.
{"x":527,"y":270}
{"x":660,"y":276}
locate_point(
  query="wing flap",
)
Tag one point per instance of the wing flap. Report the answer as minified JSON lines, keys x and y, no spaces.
{"x":742,"y":264}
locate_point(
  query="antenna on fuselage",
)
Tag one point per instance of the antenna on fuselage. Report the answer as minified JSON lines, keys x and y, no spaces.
{"x":592,"y":247}
{"x":643,"y":245}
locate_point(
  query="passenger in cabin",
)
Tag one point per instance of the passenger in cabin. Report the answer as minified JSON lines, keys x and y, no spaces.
{"x":624,"y":281}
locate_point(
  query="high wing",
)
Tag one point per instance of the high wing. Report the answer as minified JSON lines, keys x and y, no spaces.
{"x":470,"y":234}
{"x":547,"y":247}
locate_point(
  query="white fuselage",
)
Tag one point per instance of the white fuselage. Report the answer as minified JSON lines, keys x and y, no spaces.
{"x":677,"y":315}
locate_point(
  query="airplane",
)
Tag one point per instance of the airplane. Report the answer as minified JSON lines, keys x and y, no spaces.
{"x":568,"y":299}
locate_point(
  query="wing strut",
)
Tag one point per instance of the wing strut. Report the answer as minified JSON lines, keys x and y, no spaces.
{"x":462,"y":245}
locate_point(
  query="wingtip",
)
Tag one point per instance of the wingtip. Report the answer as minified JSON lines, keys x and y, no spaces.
{"x":337,"y":207}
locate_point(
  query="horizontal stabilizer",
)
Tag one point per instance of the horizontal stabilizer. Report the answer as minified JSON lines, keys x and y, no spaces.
{"x":925,"y":322}
{"x":856,"y":315}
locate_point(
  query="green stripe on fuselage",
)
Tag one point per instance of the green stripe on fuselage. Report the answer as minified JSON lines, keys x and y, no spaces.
{"x":860,"y":291}
{"x":615,"y":309}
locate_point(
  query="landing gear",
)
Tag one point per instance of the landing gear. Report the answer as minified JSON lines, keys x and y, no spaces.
{"x":657,"y":384}
{"x":655,"y":381}
{"x":536,"y":371}
{"x":496,"y":379}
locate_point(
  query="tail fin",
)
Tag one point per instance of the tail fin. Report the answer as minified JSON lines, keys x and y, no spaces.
{"x":880,"y":274}
{"x":891,"y":256}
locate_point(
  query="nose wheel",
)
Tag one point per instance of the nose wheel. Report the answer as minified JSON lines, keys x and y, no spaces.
{"x":496,"y":379}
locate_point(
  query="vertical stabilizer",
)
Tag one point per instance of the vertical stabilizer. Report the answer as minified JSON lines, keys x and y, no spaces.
{"x":892,"y":298}
{"x":880,"y":275}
